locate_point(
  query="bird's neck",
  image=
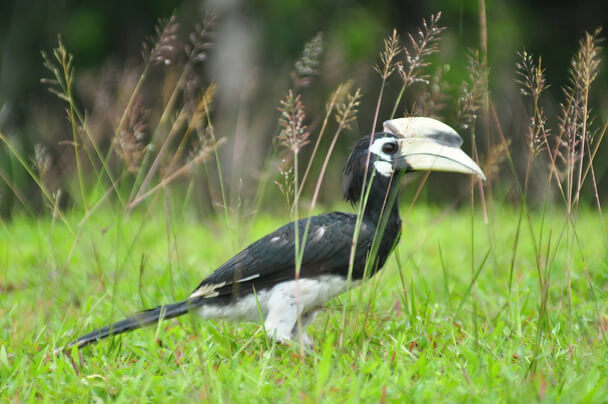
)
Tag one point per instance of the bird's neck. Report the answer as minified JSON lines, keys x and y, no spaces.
{"x":382,"y":212}
{"x":383,"y":199}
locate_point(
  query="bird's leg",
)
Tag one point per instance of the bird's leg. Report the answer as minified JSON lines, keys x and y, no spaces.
{"x":282,"y":317}
{"x":305,"y":320}
{"x":290,"y":299}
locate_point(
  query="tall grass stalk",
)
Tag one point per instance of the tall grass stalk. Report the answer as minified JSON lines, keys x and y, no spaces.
{"x":416,"y":54}
{"x":345,"y":114}
{"x":385,"y":70}
{"x":14,"y":152}
{"x":63,"y":71}
{"x":294,"y":135}
{"x":329,"y":109}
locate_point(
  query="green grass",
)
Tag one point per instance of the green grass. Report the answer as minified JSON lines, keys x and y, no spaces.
{"x":420,"y":331}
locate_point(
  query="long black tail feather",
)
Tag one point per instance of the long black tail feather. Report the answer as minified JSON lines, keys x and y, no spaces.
{"x":139,"y":320}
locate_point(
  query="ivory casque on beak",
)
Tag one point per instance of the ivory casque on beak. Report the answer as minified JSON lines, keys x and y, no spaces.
{"x":427,"y":144}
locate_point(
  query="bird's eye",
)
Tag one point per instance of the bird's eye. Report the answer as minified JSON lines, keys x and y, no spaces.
{"x":390,"y":148}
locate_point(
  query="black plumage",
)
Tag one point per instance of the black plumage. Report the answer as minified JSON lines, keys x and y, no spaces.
{"x":272,"y":257}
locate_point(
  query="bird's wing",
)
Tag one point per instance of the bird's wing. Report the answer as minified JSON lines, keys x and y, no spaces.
{"x":271,"y":259}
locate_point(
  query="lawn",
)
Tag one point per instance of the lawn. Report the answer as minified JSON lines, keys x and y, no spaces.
{"x":457,"y":314}
{"x":482,"y":301}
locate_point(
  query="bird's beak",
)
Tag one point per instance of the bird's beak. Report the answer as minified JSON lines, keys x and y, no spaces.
{"x":427,"y":144}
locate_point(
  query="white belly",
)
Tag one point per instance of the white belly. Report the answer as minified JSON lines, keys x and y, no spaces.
{"x":306,"y":294}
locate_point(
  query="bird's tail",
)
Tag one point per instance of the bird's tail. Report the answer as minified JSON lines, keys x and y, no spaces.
{"x":139,"y":320}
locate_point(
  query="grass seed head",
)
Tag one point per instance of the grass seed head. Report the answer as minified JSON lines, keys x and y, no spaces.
{"x":531,"y":75}
{"x":294,"y":133}
{"x":61,"y":66}
{"x":387,"y":56}
{"x":532,"y":81}
{"x":307,"y":66}
{"x":200,"y":40}
{"x":130,"y":143}
{"x":285,"y":183}
{"x":432,"y":100}
{"x":418,"y":50}
{"x":203,"y":146}
{"x":473,"y":91}
{"x":162,"y":48}
{"x":575,"y":113}
{"x":42,"y":161}
{"x":495,"y":156}
{"x":346,"y":110}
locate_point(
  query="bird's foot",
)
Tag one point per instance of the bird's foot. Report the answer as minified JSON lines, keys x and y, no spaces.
{"x":280,"y":337}
{"x":292,"y":339}
{"x":302,"y":338}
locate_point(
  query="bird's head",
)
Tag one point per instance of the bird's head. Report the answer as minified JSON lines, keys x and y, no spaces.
{"x":407,"y":144}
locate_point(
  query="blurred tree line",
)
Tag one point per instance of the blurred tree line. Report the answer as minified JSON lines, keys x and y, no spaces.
{"x":254,"y":49}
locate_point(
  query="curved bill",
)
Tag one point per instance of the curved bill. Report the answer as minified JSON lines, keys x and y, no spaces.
{"x":430,"y":145}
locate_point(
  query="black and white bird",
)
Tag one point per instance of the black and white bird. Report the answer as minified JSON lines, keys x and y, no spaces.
{"x":261,"y":280}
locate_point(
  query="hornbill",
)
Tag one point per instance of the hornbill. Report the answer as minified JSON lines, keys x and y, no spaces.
{"x":261,"y":281}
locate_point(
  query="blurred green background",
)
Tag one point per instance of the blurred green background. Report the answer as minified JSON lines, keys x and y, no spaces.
{"x":255,"y":46}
